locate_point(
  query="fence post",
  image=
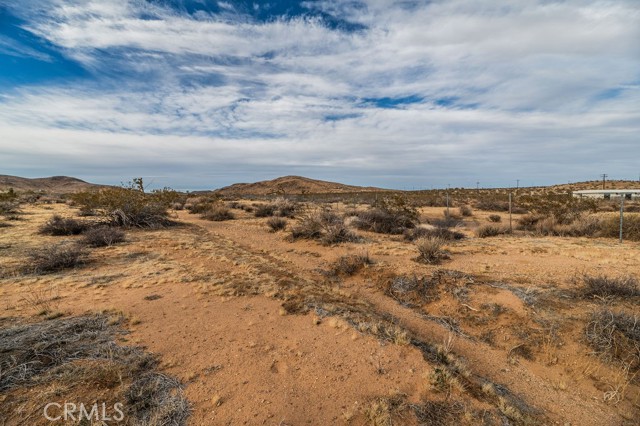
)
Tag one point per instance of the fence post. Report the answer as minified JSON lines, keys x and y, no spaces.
{"x":621,"y":215}
{"x":510,"y":223}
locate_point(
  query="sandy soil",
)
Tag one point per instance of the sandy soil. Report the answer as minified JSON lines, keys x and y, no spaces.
{"x":216,"y":320}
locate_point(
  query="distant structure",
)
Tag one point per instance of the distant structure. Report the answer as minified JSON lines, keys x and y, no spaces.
{"x":608,"y":194}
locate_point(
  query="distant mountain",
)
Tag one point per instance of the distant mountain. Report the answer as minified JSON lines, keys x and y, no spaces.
{"x":54,"y":184}
{"x":292,"y":185}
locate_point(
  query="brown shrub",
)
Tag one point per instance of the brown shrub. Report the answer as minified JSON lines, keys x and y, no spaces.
{"x":615,"y":336}
{"x":442,"y":233}
{"x":324,"y":226}
{"x":350,"y":264}
{"x":491,"y":230}
{"x":603,"y":286}
{"x":430,"y":250}
{"x":55,"y":257}
{"x":217,"y":213}
{"x":465,"y":211}
{"x":495,"y":218}
{"x":277,"y":223}
{"x":59,"y":226}
{"x":103,"y":236}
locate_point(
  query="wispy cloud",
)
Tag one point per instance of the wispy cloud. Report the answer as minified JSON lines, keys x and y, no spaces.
{"x":408,"y":89}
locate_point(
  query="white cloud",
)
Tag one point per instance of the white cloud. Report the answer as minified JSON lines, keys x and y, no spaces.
{"x":528,"y":82}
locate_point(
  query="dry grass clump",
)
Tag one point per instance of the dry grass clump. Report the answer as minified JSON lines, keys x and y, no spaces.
{"x":615,"y":336}
{"x":67,"y":352}
{"x":55,"y":257}
{"x":442,"y":233}
{"x":277,"y":224}
{"x":441,"y":413}
{"x":386,"y":411}
{"x":430,"y":250}
{"x":490,"y":230}
{"x":410,"y":290}
{"x":217,"y":213}
{"x":495,"y":218}
{"x":528,"y":222}
{"x":604,"y":287}
{"x":9,"y":208}
{"x":350,"y":264}
{"x":465,"y":211}
{"x":59,"y":226}
{"x":323,"y":226}
{"x":103,"y":236}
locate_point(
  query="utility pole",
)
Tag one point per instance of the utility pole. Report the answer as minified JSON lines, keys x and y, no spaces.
{"x":478,"y":186}
{"x":517,"y":183}
{"x":621,"y":214}
{"x":510,"y":219}
{"x":604,"y":179}
{"x":448,"y":186}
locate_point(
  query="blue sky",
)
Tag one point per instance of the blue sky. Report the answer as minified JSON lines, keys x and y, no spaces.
{"x":405,"y":94}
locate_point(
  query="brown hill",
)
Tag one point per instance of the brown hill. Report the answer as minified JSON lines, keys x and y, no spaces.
{"x":54,"y":184}
{"x":597,"y":184}
{"x":292,"y":185}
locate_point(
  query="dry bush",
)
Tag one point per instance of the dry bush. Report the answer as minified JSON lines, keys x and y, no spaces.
{"x":349,"y":265}
{"x":129,"y":206}
{"x":67,"y":352}
{"x":55,"y":257}
{"x":276,"y":224}
{"x":281,"y":207}
{"x":386,"y":411}
{"x":103,"y":236}
{"x":610,"y":227}
{"x":323,"y":226}
{"x":449,"y":220}
{"x":442,"y":233}
{"x":441,"y":413}
{"x":492,"y":205}
{"x":411,"y":290}
{"x":604,"y":287}
{"x":58,"y":225}
{"x":465,"y":211}
{"x":495,"y":218}
{"x":217,"y":213}
{"x":9,"y":208}
{"x":491,"y":230}
{"x":615,"y":336}
{"x":430,"y":250}
{"x":528,"y":222}
{"x":391,"y":215}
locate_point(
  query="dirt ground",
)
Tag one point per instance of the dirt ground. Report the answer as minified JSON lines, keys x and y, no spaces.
{"x":210,"y":299}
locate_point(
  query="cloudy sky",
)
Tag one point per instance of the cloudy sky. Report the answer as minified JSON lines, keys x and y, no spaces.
{"x":402,"y":94}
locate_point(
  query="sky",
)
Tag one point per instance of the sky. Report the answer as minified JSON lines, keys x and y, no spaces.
{"x":198,"y":94}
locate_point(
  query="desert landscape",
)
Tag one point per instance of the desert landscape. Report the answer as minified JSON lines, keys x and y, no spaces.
{"x":295,"y":301}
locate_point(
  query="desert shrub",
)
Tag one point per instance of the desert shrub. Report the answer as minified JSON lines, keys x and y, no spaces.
{"x":58,"y":225}
{"x":276,"y":223}
{"x":264,"y":210}
{"x":603,"y":286}
{"x":281,"y":207}
{"x":495,"y":218}
{"x":349,"y":265}
{"x":324,"y":226}
{"x":449,"y":220}
{"x":493,"y":205}
{"x":491,"y":230}
{"x":528,"y":222}
{"x":430,"y":250}
{"x":55,"y":257}
{"x":411,"y":290}
{"x":465,"y":211}
{"x":129,"y":206}
{"x":217,"y":213}
{"x":103,"y":236}
{"x":615,"y":336}
{"x":442,"y":233}
{"x":390,"y":215}
{"x":9,"y":207}
{"x":610,"y":227}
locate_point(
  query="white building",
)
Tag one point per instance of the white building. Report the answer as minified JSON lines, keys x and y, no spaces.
{"x":608,"y":194}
